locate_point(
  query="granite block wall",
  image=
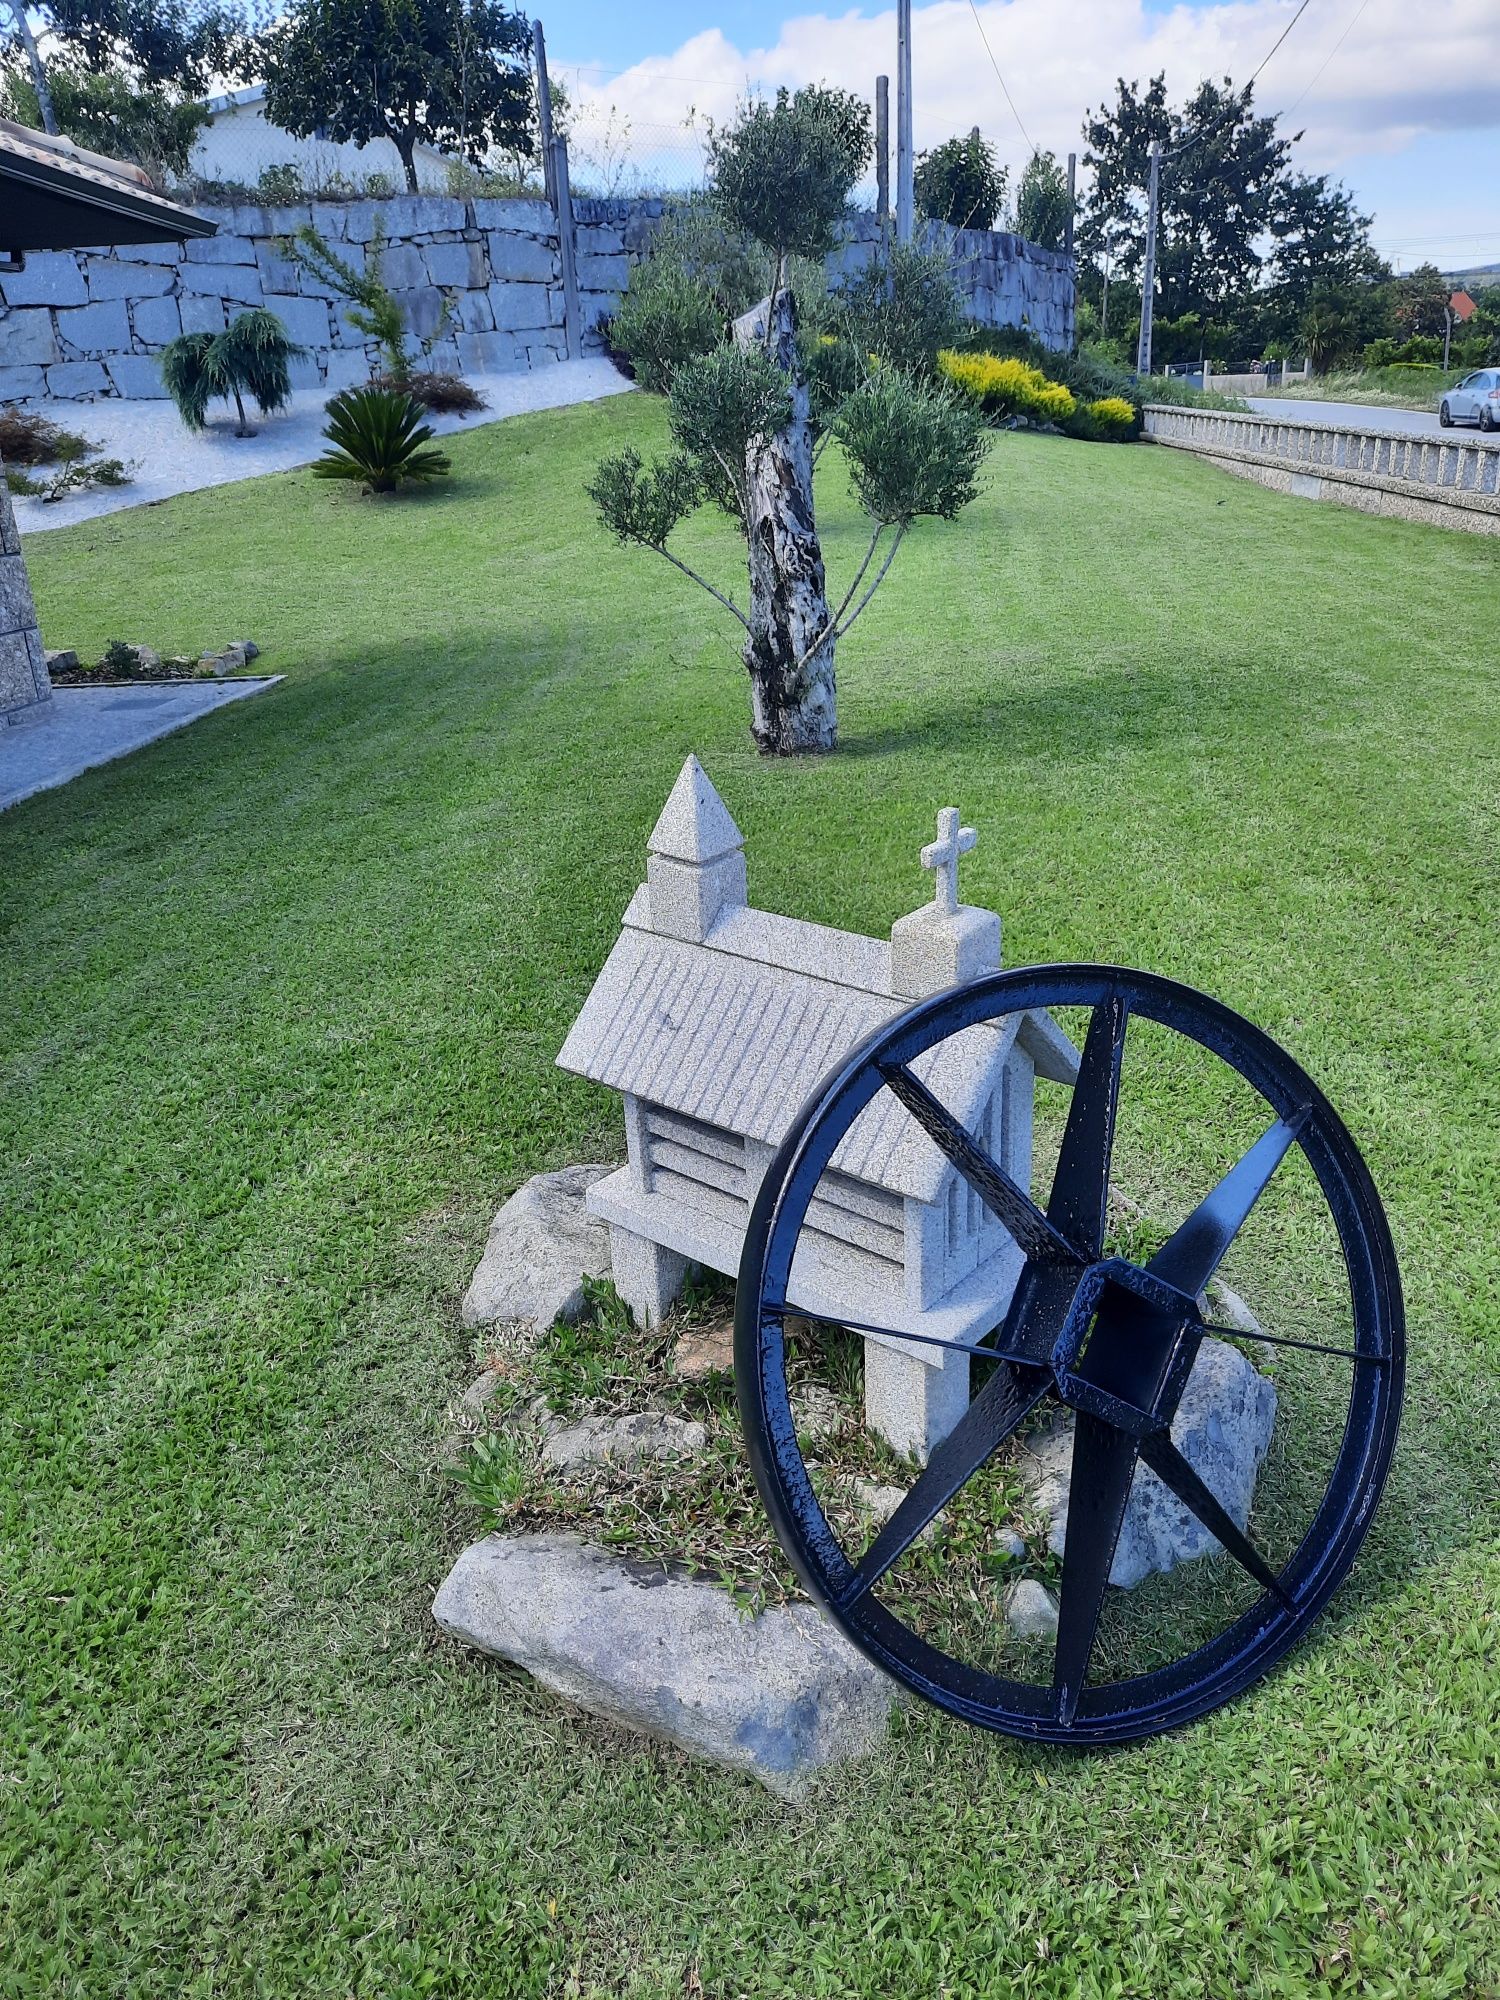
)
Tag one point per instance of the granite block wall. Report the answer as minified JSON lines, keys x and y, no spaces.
{"x":23,"y":665}
{"x":91,"y":323}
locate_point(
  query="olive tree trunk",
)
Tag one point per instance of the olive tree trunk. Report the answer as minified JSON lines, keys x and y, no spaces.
{"x":790,"y":645}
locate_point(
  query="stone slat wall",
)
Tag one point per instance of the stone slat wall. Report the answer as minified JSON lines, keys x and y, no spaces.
{"x":23,"y":665}
{"x":1449,"y":483}
{"x":85,"y":324}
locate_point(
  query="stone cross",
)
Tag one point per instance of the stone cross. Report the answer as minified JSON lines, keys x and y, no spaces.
{"x":942,"y":857}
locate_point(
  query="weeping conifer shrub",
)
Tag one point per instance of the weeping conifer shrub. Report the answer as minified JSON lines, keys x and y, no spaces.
{"x":380,"y":441}
{"x":251,"y":357}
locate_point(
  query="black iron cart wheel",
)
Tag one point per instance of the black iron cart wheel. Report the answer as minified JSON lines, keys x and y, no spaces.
{"x":1113,"y":1340}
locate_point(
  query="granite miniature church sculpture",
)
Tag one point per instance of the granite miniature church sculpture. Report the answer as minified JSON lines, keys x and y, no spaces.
{"x":715,"y":1021}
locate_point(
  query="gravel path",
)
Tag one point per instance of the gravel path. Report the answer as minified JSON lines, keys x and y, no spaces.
{"x":172,"y":460}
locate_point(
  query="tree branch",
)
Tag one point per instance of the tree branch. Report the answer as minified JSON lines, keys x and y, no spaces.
{"x":890,"y":555}
{"x":676,"y":562}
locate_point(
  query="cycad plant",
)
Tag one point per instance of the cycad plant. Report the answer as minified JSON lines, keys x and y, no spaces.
{"x":251,"y":357}
{"x":380,"y":438}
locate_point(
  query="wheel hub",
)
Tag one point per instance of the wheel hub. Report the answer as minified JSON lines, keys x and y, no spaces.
{"x":1118,"y":1356}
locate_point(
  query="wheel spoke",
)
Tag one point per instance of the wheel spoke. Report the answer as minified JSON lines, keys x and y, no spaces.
{"x":973,"y":1348}
{"x":1191,"y":1255}
{"x":1286,"y":1340}
{"x":1103,"y":1466}
{"x":995,"y":1188}
{"x":1009,"y":1395}
{"x":1174,"y":1471}
{"x":1080,"y":1187}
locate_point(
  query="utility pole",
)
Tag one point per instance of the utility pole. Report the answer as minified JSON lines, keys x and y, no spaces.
{"x":883,"y":152}
{"x":1148,"y":267}
{"x":903,"y":122}
{"x":544,"y":110}
{"x":1072,"y":203}
{"x":34,"y":62}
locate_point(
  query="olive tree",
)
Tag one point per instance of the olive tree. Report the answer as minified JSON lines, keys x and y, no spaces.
{"x":744,"y":420}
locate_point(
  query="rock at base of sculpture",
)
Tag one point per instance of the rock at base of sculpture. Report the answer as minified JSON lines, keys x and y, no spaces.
{"x":541,"y":1246}
{"x":621,"y":1441}
{"x":1031,"y":1610}
{"x":1222,"y":1427}
{"x":782,"y":1696}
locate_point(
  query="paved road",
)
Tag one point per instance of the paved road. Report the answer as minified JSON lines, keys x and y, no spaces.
{"x":1412,"y":423}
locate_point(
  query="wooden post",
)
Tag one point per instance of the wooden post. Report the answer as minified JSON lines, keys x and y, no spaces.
{"x":1072,"y":203}
{"x":903,"y":122}
{"x":543,"y":108}
{"x":1148,"y":266}
{"x":882,"y":151}
{"x":557,"y":153}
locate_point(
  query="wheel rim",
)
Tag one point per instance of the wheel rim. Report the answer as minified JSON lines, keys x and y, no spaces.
{"x":1139,"y":1324}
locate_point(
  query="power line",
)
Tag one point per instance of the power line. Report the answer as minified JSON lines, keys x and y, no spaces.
{"x":1353,"y":18}
{"x":1281,"y":38}
{"x":1003,"y":84}
{"x":1193,"y":139}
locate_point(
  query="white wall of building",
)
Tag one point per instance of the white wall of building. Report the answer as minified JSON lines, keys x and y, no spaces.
{"x":239,"y":143}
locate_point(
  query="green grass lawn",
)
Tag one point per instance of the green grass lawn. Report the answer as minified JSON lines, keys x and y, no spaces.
{"x":279,"y":999}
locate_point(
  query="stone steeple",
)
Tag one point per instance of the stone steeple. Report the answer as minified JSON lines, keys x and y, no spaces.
{"x":946,"y":941}
{"x":695,"y":859}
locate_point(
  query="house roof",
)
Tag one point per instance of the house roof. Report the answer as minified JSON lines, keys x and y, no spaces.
{"x":1461,"y":305}
{"x":56,"y":196}
{"x":740,"y":1029}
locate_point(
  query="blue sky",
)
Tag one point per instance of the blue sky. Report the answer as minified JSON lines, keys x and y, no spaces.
{"x":1400,"y":102}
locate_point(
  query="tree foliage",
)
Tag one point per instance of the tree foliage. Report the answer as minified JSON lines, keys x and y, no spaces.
{"x":1042,"y":205}
{"x":960,"y":183}
{"x":251,"y":357}
{"x":181,"y":46}
{"x":373,"y":309}
{"x":913,"y":448}
{"x":453,"y":74}
{"x":783,"y":171}
{"x":150,"y":125}
{"x":903,"y":306}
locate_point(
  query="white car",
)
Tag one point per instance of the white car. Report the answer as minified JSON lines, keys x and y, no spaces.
{"x":1476,"y":400}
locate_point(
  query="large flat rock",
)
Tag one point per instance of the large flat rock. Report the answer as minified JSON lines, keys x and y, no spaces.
{"x":781,"y":1696}
{"x":541,"y":1246}
{"x":1222,"y":1427}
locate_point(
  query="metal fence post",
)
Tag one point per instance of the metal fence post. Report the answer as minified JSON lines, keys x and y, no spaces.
{"x":557,"y":153}
{"x":543,"y":108}
{"x":882,"y":151}
{"x":903,"y":122}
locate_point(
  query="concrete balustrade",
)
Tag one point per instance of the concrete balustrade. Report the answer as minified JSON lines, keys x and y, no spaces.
{"x":1449,"y":482}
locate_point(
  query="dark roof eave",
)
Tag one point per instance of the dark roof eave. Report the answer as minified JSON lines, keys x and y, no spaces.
{"x":56,"y":208}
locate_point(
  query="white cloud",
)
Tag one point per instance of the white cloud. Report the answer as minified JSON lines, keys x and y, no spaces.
{"x":1401,"y":72}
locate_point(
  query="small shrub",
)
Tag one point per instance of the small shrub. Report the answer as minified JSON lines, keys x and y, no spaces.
{"x":904,"y":307}
{"x":120,"y":660}
{"x":75,"y":471}
{"x":28,"y":438}
{"x":449,"y":394}
{"x":1004,"y":386}
{"x":379,"y":187}
{"x":667,"y":318}
{"x":1112,"y":419}
{"x":380,"y":441}
{"x":373,"y":309}
{"x":279,"y":185}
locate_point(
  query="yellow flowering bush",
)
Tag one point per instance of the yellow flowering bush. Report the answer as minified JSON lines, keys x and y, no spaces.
{"x":1112,"y":416}
{"x":1007,"y":387}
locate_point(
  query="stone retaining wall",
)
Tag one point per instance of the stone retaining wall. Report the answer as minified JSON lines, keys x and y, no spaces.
{"x":85,"y":324}
{"x":23,"y":665}
{"x":1449,"y":483}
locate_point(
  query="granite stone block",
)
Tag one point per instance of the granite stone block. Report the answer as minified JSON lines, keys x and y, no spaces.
{"x":49,"y":278}
{"x":27,"y":338}
{"x":112,"y":278}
